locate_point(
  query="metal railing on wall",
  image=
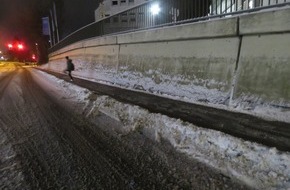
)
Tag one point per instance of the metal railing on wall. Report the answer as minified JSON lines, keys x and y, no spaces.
{"x":159,"y":13}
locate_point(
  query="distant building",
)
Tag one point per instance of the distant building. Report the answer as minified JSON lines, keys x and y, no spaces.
{"x":228,"y":6}
{"x":111,"y":7}
{"x":121,"y":22}
{"x":141,"y":17}
{"x":125,"y":15}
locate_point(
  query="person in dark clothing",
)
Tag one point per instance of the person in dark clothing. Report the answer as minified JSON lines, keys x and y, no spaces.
{"x":69,"y":67}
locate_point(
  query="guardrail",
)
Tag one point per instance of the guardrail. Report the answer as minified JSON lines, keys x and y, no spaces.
{"x":159,"y":13}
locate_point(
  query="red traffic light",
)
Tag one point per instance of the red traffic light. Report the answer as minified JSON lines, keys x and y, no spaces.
{"x":15,"y":45}
{"x":20,"y":46}
{"x":10,"y":46}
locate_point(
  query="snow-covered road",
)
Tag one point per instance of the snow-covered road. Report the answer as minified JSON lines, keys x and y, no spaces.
{"x":57,"y":135}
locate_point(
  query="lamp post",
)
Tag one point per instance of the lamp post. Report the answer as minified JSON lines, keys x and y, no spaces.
{"x":37,"y":52}
{"x":1,"y":56}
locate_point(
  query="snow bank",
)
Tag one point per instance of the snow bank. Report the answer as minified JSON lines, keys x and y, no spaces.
{"x":161,"y":85}
{"x":251,"y":163}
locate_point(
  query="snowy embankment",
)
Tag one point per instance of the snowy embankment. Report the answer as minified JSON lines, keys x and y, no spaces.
{"x":188,"y":91}
{"x":251,"y":163}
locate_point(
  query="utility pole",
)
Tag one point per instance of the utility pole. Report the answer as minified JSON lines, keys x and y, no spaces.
{"x":55,"y":19}
{"x":53,"y":27}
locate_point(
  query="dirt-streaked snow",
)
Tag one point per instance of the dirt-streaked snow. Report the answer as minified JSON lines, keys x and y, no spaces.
{"x":256,"y":165}
{"x":170,"y":87}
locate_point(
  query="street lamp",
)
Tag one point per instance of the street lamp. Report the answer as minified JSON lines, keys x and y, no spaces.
{"x":1,"y":56}
{"x":37,"y":53}
{"x":155,"y":9}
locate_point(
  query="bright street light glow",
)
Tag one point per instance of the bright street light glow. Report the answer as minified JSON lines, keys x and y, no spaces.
{"x":20,"y":46}
{"x":155,"y":9}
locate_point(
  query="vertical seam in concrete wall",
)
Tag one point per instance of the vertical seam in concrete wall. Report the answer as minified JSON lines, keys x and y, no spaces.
{"x":84,"y":53}
{"x":234,"y":80}
{"x":118,"y":60}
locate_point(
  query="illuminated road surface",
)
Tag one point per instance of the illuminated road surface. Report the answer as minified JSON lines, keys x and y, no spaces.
{"x":45,"y":146}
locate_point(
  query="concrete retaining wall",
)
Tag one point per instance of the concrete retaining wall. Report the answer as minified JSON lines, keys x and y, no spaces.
{"x":237,"y":61}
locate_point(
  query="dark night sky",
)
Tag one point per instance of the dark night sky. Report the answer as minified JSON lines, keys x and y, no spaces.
{"x":19,"y":18}
{"x":22,"y":18}
{"x":75,"y":14}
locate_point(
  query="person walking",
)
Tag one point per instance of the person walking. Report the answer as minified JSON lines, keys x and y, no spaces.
{"x":69,"y":67}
